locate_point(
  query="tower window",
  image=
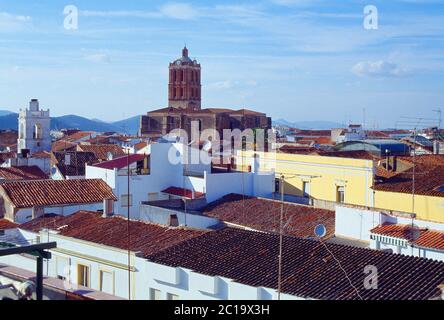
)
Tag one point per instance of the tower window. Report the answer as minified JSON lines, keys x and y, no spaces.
{"x":37,"y":131}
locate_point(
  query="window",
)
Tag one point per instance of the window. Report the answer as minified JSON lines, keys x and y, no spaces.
{"x":126,"y":200}
{"x":37,"y":131}
{"x":155,"y":294}
{"x":306,"y":189}
{"x":62,"y":268}
{"x":106,"y":282}
{"x":171,"y":296}
{"x":340,"y":194}
{"x":83,"y":275}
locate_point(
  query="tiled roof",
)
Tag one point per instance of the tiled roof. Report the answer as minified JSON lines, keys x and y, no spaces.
{"x":355,"y":154}
{"x":309,"y":270}
{"x":140,"y":145}
{"x":62,"y":145}
{"x":41,"y":154}
{"x":101,"y":150}
{"x":264,"y":215}
{"x":429,"y":176}
{"x":145,"y":237}
{"x":22,"y":173}
{"x":77,"y":162}
{"x":6,"y":224}
{"x":208,"y":111}
{"x":75,"y":137}
{"x":29,"y":193}
{"x":182,"y":192}
{"x":121,"y":162}
{"x":424,"y":237}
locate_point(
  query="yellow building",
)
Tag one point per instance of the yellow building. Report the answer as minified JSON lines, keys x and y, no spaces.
{"x":320,"y":178}
{"x":327,"y":180}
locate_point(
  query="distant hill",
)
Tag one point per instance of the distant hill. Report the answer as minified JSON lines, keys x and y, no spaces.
{"x":4,"y":112}
{"x":130,"y":126}
{"x":308,"y":125}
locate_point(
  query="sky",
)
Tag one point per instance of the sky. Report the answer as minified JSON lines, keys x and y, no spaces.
{"x":300,"y":60}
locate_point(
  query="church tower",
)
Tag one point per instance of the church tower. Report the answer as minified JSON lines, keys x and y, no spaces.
{"x":184,"y":88}
{"x":34,"y":129}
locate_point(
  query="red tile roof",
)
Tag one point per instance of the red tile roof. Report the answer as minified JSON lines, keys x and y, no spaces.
{"x":121,"y":162}
{"x":309,"y":269}
{"x":6,"y":224}
{"x":264,"y":215}
{"x":182,"y":192}
{"x":62,"y":145}
{"x":22,"y":173}
{"x":425,"y":237}
{"x":41,"y":154}
{"x":429,"y":176}
{"x":29,"y":193}
{"x":90,"y":226}
{"x":101,"y":151}
{"x":75,"y":137}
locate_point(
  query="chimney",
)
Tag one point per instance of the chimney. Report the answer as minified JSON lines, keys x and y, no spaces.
{"x":67,"y":159}
{"x":108,"y":208}
{"x":435,"y":147}
{"x":173,"y":221}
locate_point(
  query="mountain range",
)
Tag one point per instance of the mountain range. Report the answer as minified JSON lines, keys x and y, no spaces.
{"x":8,"y":120}
{"x":308,"y":125}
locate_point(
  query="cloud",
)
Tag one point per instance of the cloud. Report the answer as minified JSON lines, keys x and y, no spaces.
{"x":378,"y":69}
{"x":12,"y":22}
{"x":97,"y":58}
{"x":181,"y":11}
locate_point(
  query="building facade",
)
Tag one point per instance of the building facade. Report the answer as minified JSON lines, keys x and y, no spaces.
{"x":184,"y":106}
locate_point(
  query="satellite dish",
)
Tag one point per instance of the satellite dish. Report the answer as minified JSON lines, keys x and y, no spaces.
{"x":207,"y":146}
{"x":320,"y":231}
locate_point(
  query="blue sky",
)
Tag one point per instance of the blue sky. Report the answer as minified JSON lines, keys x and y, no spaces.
{"x":293,"y":59}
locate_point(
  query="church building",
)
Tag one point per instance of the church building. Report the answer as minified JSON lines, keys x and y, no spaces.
{"x":34,"y":129}
{"x":184,"y":106}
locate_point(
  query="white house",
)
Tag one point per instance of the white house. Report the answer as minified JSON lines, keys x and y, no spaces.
{"x":166,"y":167}
{"x":21,"y":201}
{"x":228,"y":264}
{"x":393,"y":231}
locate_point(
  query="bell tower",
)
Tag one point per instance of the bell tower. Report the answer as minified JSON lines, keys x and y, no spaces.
{"x":184,"y":86}
{"x":34,"y":129}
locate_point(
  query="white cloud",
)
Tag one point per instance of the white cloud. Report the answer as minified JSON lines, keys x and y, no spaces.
{"x":182,"y":11}
{"x":97,"y":58}
{"x":378,"y":69}
{"x":12,"y":22}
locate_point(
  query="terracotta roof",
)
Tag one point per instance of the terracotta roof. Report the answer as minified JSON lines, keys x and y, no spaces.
{"x":98,"y":140}
{"x":22,"y":173}
{"x":6,"y":224}
{"x":317,"y":140}
{"x":312,"y":133}
{"x":354,"y":154}
{"x":299,"y":149}
{"x":429,"y":176}
{"x":89,"y":226}
{"x":264,"y":215}
{"x":182,"y":192}
{"x":41,"y":154}
{"x":121,"y":162}
{"x":208,"y":110}
{"x":309,"y":269}
{"x":140,"y":145}
{"x":424,"y":237}
{"x":29,"y":193}
{"x":61,"y":145}
{"x":75,"y":137}
{"x":77,"y":162}
{"x":101,"y":150}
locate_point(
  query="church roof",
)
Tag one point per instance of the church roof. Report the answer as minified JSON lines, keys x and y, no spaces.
{"x":207,"y":110}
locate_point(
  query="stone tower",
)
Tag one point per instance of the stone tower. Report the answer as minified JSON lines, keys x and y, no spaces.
{"x":34,"y":129}
{"x":184,"y":88}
